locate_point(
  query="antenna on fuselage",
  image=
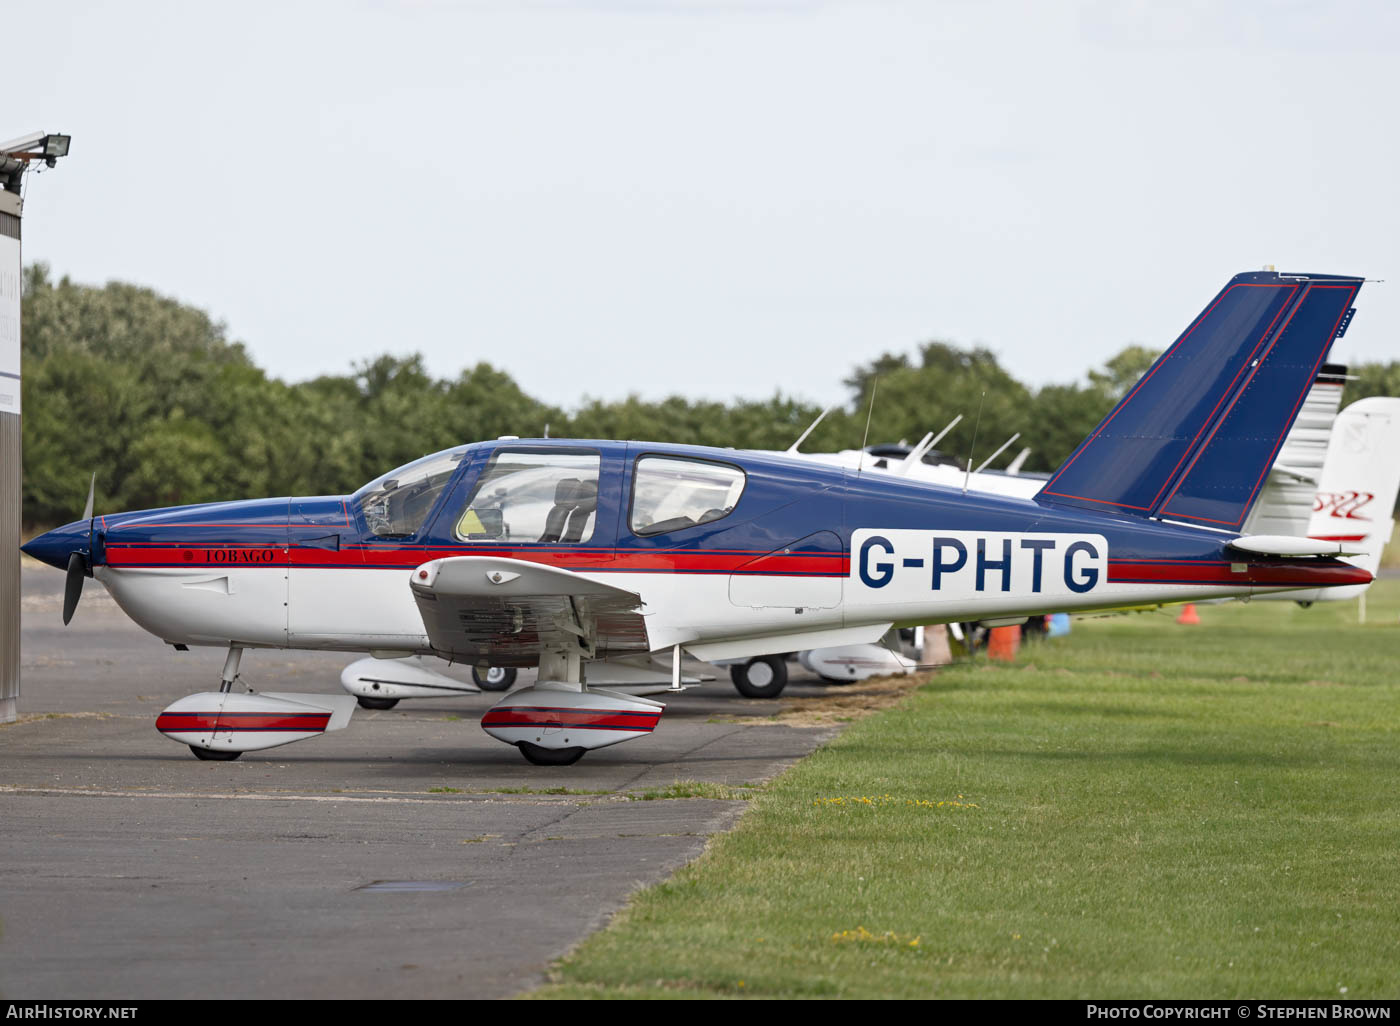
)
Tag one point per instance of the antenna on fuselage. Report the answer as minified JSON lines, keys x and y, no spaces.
{"x":980,"y":403}
{"x":921,"y":450}
{"x":874,"y":387}
{"x":998,"y":452}
{"x":1014,"y":467}
{"x":792,"y":449}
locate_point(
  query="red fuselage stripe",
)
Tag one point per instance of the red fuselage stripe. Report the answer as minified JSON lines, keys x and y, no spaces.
{"x":215,"y":557}
{"x":1135,"y":572}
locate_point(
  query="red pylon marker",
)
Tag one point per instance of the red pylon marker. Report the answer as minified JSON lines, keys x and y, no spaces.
{"x":1188,"y":615}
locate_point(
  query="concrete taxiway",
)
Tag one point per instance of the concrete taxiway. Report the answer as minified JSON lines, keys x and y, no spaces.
{"x":408,"y":855}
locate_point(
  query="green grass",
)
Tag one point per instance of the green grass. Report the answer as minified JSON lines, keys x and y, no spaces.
{"x":1137,"y":810}
{"x":695,"y":789}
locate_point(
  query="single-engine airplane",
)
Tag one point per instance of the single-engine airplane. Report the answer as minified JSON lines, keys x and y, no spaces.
{"x":558,"y":553}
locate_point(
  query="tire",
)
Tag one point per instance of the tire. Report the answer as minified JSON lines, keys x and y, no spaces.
{"x":214,"y":755}
{"x":540,"y":756}
{"x":496,"y":678}
{"x":760,"y":677}
{"x":367,"y":702}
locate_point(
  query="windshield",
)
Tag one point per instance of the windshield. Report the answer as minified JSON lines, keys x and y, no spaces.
{"x":397,"y":504}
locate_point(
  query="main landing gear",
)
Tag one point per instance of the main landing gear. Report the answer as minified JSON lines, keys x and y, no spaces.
{"x":557,"y":719}
{"x":496,"y":678}
{"x":760,"y":677}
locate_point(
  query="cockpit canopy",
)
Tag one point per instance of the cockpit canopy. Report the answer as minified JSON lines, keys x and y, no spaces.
{"x":528,"y":493}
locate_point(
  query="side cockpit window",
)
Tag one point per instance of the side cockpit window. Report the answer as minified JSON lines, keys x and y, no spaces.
{"x":670,"y":494}
{"x":523,"y":496}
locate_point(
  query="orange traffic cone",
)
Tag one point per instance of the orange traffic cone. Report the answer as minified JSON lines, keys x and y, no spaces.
{"x":1188,"y":615}
{"x":1003,"y":643}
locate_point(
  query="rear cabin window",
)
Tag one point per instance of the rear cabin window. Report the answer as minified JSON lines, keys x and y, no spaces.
{"x":672,"y":494}
{"x":524,"y":496}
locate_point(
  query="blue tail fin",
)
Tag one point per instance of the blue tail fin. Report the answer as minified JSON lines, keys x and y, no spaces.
{"x":1194,"y":439}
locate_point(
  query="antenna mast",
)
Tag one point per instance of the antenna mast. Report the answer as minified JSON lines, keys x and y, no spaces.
{"x":874,"y":387}
{"x":973,"y":449}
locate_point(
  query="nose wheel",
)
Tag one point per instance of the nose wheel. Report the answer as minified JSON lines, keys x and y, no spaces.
{"x":540,"y":756}
{"x":214,"y":755}
{"x":366,"y":702}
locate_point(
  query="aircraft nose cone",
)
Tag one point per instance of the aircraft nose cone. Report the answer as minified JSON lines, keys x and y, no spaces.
{"x":55,"y":547}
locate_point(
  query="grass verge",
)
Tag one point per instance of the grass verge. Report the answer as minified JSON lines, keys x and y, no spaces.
{"x":1137,"y":810}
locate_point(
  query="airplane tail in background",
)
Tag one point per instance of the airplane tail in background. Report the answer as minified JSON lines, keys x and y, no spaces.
{"x":1193,"y":440}
{"x":1359,"y":485}
{"x":1285,"y":503}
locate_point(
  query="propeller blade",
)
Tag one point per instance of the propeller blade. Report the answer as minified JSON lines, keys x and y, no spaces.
{"x":87,"y":515}
{"x":73,"y":587}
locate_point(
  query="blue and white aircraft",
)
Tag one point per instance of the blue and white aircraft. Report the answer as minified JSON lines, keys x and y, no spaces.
{"x":558,"y":553}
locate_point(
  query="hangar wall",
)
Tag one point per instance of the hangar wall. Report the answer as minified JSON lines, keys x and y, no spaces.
{"x":10,"y":453}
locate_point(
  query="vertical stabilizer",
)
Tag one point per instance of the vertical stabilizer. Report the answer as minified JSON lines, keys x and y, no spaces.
{"x":1193,"y":440}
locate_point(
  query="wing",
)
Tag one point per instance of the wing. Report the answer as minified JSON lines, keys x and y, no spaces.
{"x":506,"y":611}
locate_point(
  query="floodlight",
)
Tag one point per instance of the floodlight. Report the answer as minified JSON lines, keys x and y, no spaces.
{"x":56,"y":145}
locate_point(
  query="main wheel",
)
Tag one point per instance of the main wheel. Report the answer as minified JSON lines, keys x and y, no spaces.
{"x":366,"y":702}
{"x":496,"y":678}
{"x":214,"y":754}
{"x":550,"y":756}
{"x":760,"y":677}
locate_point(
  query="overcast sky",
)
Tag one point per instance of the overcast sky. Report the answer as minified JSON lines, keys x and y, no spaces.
{"x":710,"y":197}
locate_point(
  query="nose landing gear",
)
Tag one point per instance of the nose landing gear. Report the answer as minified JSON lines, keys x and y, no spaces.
{"x":219,"y":726}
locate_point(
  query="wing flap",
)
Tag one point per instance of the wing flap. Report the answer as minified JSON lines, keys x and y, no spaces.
{"x":507,"y":611}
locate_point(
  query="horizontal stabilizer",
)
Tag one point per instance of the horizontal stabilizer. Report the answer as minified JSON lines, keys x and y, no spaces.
{"x":1194,"y":439}
{"x":1286,"y":545}
{"x":1301,"y":476}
